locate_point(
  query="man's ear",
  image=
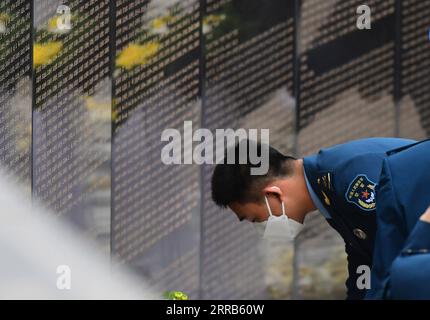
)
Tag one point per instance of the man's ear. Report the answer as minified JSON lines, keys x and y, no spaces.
{"x":272,"y":191}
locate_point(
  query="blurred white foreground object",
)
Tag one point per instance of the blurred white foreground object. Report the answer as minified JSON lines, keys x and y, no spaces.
{"x":42,"y":258}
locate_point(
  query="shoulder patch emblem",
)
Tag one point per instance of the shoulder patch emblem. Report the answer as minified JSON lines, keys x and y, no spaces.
{"x":361,"y":192}
{"x":325,"y":186}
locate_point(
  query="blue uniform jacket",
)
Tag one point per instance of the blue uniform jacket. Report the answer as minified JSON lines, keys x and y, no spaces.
{"x":403,"y":195}
{"x":344,"y":178}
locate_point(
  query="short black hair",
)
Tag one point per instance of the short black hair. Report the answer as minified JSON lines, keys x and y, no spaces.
{"x":234,"y":182}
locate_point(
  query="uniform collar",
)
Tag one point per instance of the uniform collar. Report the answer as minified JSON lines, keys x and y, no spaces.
{"x":314,"y":197}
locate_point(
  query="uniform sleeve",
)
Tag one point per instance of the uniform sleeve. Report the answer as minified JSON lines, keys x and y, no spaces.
{"x":410,"y":269}
{"x":390,"y":229}
{"x":419,"y":239}
{"x":354,"y":261}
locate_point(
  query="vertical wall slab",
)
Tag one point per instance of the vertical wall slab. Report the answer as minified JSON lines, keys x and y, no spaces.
{"x":72,"y":112}
{"x":346,"y":92}
{"x":156,"y":207}
{"x":248,"y":62}
{"x":15,"y":91}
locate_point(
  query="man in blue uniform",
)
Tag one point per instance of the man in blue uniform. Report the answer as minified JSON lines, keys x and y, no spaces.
{"x":403,"y":195}
{"x":409,"y":273}
{"x":338,"y":181}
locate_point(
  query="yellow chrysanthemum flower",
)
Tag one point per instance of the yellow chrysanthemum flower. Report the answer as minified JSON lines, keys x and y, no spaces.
{"x":52,"y":24}
{"x":160,"y":25}
{"x":4,"y":17}
{"x":137,"y":54}
{"x":44,"y":53}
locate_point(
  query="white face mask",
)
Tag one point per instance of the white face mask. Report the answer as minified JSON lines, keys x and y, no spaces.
{"x":278,"y":227}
